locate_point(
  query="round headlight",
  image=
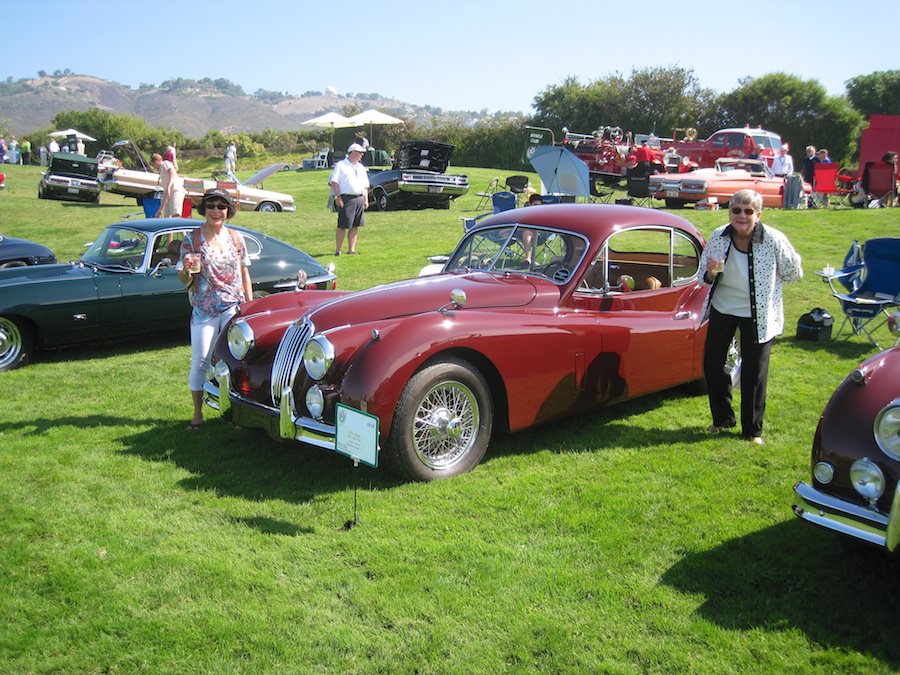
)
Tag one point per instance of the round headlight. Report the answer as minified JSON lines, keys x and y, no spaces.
{"x":240,"y":339}
{"x":887,"y":429}
{"x":315,"y":402}
{"x":824,"y":472}
{"x":318,"y":357}
{"x":867,"y":479}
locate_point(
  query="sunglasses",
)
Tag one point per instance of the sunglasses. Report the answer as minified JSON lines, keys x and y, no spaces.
{"x":736,"y":210}
{"x":217,"y":206}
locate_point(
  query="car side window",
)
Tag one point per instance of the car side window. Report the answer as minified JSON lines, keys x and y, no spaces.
{"x":718,"y":141}
{"x":685,"y":259}
{"x":736,"y":141}
{"x":642,"y":254}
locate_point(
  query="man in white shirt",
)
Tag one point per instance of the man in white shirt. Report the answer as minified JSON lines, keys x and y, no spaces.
{"x":349,"y":183}
{"x":783,"y":163}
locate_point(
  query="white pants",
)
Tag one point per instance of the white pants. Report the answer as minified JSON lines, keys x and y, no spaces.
{"x":203,"y":335}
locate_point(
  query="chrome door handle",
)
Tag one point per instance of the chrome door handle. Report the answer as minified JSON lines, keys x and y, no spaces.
{"x":682,"y":315}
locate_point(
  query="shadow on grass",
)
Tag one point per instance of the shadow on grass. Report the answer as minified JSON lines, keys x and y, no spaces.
{"x":795,"y":576}
{"x":176,"y":337}
{"x":247,"y":464}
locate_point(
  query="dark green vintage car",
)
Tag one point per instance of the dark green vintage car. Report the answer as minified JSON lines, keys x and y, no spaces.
{"x":126,"y":284}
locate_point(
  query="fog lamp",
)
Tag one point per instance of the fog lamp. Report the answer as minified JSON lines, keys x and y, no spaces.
{"x":887,"y":429}
{"x":240,"y":339}
{"x":824,"y":472}
{"x":315,"y":401}
{"x":867,"y":479}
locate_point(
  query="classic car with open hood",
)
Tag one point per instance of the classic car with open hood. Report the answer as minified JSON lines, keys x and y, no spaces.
{"x":70,"y":177}
{"x":418,"y":179}
{"x":539,"y":313}
{"x":132,"y":176}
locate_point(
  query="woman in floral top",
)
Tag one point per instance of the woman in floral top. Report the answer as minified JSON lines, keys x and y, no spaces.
{"x":220,"y":284}
{"x":746,"y":264}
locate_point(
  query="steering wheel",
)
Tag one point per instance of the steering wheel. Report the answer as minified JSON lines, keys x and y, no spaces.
{"x":558,"y":272}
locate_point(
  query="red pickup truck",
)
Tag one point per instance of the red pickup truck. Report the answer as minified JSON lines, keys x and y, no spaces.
{"x":729,"y":143}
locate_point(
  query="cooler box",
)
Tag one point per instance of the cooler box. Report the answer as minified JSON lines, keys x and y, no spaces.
{"x":815,"y":326}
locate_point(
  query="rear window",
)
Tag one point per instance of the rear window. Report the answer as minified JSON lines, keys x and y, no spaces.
{"x":74,"y":167}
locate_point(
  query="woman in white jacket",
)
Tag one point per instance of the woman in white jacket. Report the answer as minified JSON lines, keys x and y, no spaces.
{"x":746,"y":263}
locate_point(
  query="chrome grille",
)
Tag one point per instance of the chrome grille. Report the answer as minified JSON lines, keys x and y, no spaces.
{"x":289,"y":357}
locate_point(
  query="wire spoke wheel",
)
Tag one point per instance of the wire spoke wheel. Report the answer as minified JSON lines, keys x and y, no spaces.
{"x":445,"y":424}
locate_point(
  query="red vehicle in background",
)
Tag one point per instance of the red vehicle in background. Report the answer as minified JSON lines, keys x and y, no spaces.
{"x":605,"y":150}
{"x":739,"y":143}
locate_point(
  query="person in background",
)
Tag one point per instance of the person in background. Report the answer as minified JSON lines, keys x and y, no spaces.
{"x":43,"y":155}
{"x":362,"y":141}
{"x":26,"y":152}
{"x":822,"y":156}
{"x":171,"y":155}
{"x":221,"y":282}
{"x":349,"y":183}
{"x":783,"y":164}
{"x":3,"y":150}
{"x":757,"y":152}
{"x":13,"y":150}
{"x":809,"y":164}
{"x":172,"y":200}
{"x":52,"y":148}
{"x":746,"y":263}
{"x":79,"y":147}
{"x":231,"y":159}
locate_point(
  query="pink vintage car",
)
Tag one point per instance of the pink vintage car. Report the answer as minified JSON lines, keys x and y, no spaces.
{"x":721,"y":182}
{"x":538,"y":314}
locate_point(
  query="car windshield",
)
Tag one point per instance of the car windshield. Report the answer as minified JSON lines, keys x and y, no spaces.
{"x":770,"y":141}
{"x":117,"y":247}
{"x":551,"y":254}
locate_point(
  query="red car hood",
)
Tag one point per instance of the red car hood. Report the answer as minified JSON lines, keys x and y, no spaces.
{"x":429,"y":294}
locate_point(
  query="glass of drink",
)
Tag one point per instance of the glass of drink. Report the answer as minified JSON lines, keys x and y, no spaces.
{"x":193,"y":262}
{"x":718,"y":266}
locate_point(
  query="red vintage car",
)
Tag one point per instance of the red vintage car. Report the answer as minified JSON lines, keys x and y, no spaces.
{"x":538,"y":314}
{"x":856,"y":457}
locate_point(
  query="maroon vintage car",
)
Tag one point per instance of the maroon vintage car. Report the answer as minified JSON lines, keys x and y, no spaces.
{"x":856,"y":457}
{"x":539,"y":313}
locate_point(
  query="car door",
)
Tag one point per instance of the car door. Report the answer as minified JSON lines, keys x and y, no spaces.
{"x":652,"y":327}
{"x":153,"y":298}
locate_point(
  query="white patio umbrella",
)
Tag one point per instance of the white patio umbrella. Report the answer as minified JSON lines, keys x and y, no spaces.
{"x":65,"y":133}
{"x":373,"y":117}
{"x":331,"y":121}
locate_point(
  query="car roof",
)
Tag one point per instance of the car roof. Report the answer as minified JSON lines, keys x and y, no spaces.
{"x":153,"y":225}
{"x":596,"y":221}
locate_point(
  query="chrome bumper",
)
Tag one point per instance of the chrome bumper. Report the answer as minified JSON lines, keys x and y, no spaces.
{"x":849,"y":519}
{"x":281,"y":422}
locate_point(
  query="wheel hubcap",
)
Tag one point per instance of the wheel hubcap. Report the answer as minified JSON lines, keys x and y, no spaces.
{"x":10,"y":342}
{"x":446,"y":424}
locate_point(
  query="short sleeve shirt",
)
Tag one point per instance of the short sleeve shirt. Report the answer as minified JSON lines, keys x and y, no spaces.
{"x":219,"y":285}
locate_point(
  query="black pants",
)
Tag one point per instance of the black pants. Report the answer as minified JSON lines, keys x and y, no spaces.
{"x":754,"y":372}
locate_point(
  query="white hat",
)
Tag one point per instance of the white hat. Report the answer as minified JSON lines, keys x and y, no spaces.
{"x":356,"y":147}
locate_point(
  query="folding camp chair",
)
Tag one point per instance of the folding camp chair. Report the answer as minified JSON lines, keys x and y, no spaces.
{"x":868,"y":307}
{"x":517,"y":185}
{"x":850,"y":275}
{"x":599,"y":195}
{"x":501,"y":201}
{"x":881,"y":183}
{"x":639,"y":191}
{"x":485,"y":197}
{"x":825,"y":182}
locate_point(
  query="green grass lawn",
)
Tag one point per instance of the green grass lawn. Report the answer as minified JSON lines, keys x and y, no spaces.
{"x":627,"y":540}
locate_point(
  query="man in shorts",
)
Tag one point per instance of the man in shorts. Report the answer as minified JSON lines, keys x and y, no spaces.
{"x":349,"y":183}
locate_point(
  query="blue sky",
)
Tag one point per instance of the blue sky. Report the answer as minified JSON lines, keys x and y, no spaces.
{"x":453,"y":54}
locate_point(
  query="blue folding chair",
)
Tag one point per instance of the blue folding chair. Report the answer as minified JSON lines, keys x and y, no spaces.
{"x":850,"y":275}
{"x":878,"y":290}
{"x":501,"y":201}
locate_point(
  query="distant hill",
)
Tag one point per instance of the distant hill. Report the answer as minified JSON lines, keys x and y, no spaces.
{"x":192,"y":107}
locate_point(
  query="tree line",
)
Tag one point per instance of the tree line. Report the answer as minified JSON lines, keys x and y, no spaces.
{"x":658,"y":99}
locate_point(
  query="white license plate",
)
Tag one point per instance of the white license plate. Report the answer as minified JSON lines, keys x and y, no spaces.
{"x":436,"y":189}
{"x":73,"y":191}
{"x":671,"y":193}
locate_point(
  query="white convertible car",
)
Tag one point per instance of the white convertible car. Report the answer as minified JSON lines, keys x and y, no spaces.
{"x":124,"y":171}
